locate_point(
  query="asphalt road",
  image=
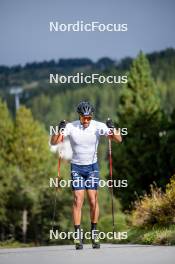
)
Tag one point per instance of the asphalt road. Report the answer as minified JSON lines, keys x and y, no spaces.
{"x":121,"y":254}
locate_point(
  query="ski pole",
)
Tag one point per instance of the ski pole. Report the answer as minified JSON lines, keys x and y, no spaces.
{"x":56,"y":189}
{"x":111,"y":188}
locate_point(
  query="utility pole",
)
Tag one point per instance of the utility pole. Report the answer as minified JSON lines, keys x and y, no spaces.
{"x":16,"y":90}
{"x":24,"y":224}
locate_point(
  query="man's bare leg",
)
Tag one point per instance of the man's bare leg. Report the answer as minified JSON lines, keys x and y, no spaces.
{"x":94,"y":207}
{"x":77,"y":206}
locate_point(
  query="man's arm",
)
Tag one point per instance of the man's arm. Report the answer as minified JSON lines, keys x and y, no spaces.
{"x":115,"y":136}
{"x":115,"y":133}
{"x":55,"y":139}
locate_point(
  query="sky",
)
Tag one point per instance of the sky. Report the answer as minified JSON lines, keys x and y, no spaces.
{"x":25,"y":35}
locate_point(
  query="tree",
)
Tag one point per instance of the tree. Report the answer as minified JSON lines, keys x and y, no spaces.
{"x":138,"y":159}
{"x":140,"y":95}
{"x":32,"y":161}
{"x":6,"y":128}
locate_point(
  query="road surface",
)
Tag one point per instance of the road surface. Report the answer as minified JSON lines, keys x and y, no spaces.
{"x":109,"y":253}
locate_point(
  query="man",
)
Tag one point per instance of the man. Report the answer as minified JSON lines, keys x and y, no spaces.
{"x":84,"y":137}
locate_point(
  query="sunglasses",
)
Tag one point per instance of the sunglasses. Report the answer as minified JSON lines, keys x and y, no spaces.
{"x":83,"y":118}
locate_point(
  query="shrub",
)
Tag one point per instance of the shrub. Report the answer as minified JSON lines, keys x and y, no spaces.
{"x":156,"y":208}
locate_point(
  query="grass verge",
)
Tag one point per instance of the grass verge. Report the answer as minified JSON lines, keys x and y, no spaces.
{"x":154,"y":236}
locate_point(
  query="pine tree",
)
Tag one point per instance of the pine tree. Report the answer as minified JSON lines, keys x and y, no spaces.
{"x":140,"y":95}
{"x":6,"y":129}
{"x":138,"y":159}
{"x":33,"y":165}
{"x":30,"y":146}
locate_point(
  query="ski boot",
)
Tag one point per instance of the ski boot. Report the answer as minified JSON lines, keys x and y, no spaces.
{"x":78,"y":244}
{"x":78,"y":240}
{"x":95,"y":239}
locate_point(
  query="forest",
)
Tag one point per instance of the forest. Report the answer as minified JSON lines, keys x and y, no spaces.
{"x":145,"y":105}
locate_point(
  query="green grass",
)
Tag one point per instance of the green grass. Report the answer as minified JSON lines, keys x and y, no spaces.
{"x":11,"y":243}
{"x":154,"y":236}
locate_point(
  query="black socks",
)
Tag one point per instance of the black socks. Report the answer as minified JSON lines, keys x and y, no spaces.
{"x":76,"y":227}
{"x":78,"y":232}
{"x":93,"y":226}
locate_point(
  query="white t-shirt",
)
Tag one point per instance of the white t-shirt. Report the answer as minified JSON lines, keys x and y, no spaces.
{"x":84,"y":141}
